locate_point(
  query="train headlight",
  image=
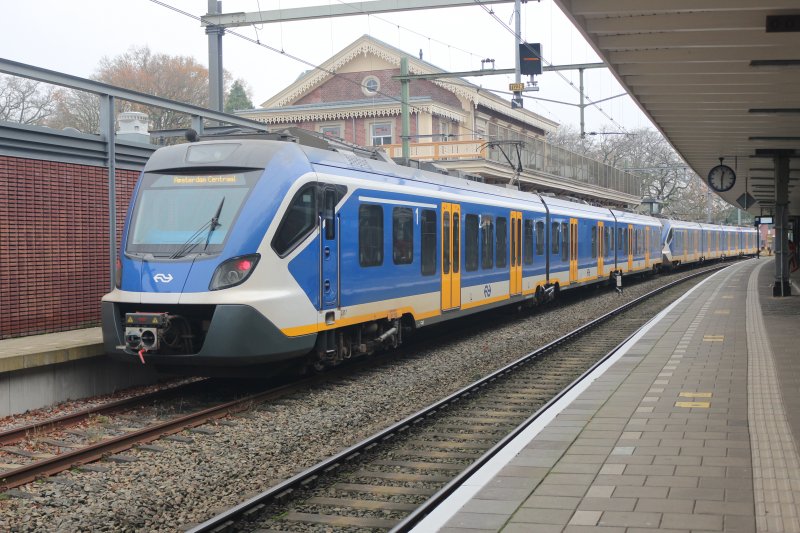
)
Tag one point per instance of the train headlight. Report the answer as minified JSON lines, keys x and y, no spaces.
{"x":233,"y":272}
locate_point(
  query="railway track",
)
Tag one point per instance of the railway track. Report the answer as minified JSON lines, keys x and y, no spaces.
{"x":51,"y":446}
{"x":391,"y":479}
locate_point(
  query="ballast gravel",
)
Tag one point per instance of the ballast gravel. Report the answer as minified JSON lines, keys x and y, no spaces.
{"x":199,"y":475}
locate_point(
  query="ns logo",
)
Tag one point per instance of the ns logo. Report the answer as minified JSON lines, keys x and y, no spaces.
{"x":162,"y":278}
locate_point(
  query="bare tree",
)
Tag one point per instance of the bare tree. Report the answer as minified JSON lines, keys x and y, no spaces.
{"x":25,"y":101}
{"x":179,"y":78}
{"x":76,"y":109}
{"x":666,"y":178}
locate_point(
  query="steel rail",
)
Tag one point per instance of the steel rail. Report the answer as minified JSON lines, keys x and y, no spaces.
{"x":285,"y":488}
{"x":13,"y":435}
{"x":53,"y":465}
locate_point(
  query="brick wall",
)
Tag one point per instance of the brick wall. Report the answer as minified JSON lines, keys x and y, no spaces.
{"x":54,"y":243}
{"x":347,"y":86}
{"x":361,"y":134}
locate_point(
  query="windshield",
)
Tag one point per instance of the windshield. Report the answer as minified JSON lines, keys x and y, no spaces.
{"x":172,"y":211}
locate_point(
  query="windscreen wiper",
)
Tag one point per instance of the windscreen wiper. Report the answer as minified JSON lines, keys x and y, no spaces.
{"x":192,"y":241}
{"x":214,"y":222}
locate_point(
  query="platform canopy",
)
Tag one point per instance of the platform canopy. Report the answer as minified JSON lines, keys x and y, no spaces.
{"x":719,"y":79}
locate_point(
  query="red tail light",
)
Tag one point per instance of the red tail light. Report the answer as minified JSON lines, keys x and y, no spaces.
{"x":233,"y":272}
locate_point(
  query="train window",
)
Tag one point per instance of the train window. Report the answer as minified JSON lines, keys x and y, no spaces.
{"x":428,"y":228}
{"x":594,"y":242}
{"x":487,"y":242}
{"x":501,"y":259}
{"x":554,"y":244}
{"x":402,"y":235}
{"x":471,"y":243}
{"x":370,"y":235}
{"x":620,"y":238}
{"x":514,"y":246}
{"x":456,"y":243}
{"x":565,"y":243}
{"x":329,"y":214}
{"x":528,"y":253}
{"x":609,"y":248}
{"x":300,"y":219}
{"x":539,"y":238}
{"x":445,"y":243}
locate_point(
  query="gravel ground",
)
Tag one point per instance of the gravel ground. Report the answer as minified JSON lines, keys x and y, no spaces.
{"x":196,"y":475}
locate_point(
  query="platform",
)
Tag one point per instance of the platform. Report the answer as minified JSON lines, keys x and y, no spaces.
{"x":692,"y":426}
{"x":42,"y":370}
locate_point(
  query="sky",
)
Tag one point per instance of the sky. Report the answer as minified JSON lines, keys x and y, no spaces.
{"x":72,"y":37}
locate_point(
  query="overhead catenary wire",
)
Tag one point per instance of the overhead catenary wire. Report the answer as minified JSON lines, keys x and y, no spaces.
{"x":544,"y":61}
{"x":305,"y":62}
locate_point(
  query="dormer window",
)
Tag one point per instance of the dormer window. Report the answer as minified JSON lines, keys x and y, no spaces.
{"x":370,"y":85}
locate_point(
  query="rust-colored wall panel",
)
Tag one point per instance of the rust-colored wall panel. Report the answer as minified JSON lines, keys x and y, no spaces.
{"x":54,"y":243}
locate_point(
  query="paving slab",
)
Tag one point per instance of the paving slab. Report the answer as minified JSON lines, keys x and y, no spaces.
{"x":684,"y":431}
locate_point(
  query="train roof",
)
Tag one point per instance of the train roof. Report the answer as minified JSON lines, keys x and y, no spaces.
{"x":558,"y":206}
{"x":344,"y":159}
{"x":680,"y":224}
{"x":635,"y":218}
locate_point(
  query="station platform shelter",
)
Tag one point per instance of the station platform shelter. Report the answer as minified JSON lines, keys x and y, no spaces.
{"x":693,"y":425}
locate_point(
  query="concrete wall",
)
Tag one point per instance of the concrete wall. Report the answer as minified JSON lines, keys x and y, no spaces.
{"x":33,"y":388}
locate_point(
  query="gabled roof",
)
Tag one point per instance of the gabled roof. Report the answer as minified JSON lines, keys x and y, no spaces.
{"x":365,"y":45}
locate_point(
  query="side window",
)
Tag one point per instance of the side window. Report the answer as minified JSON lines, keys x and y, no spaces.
{"x":402,"y":235}
{"x":487,"y":242}
{"x":539,"y":238}
{"x":620,"y":238}
{"x":329,"y":213}
{"x":428,"y":229}
{"x":594,"y":242}
{"x":445,"y":243}
{"x":370,"y":235}
{"x":456,"y":243}
{"x":528,"y":250}
{"x":300,"y":219}
{"x":554,"y":244}
{"x":565,"y":243}
{"x":471,"y":243}
{"x":609,"y":241}
{"x":502,"y":242}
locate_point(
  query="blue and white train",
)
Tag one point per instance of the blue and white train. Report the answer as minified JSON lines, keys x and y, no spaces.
{"x":238,"y":253}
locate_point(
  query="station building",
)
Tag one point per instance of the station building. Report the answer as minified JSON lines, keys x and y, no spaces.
{"x":355,"y":96}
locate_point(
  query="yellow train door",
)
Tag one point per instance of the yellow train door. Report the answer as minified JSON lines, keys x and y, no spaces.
{"x":646,"y":247}
{"x":573,"y":250}
{"x":451,"y":258}
{"x":515,"y":286}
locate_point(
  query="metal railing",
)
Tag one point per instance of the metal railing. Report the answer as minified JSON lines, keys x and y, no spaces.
{"x":108,"y":95}
{"x":538,"y":156}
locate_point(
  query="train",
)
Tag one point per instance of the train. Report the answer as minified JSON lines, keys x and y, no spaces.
{"x":242,"y":253}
